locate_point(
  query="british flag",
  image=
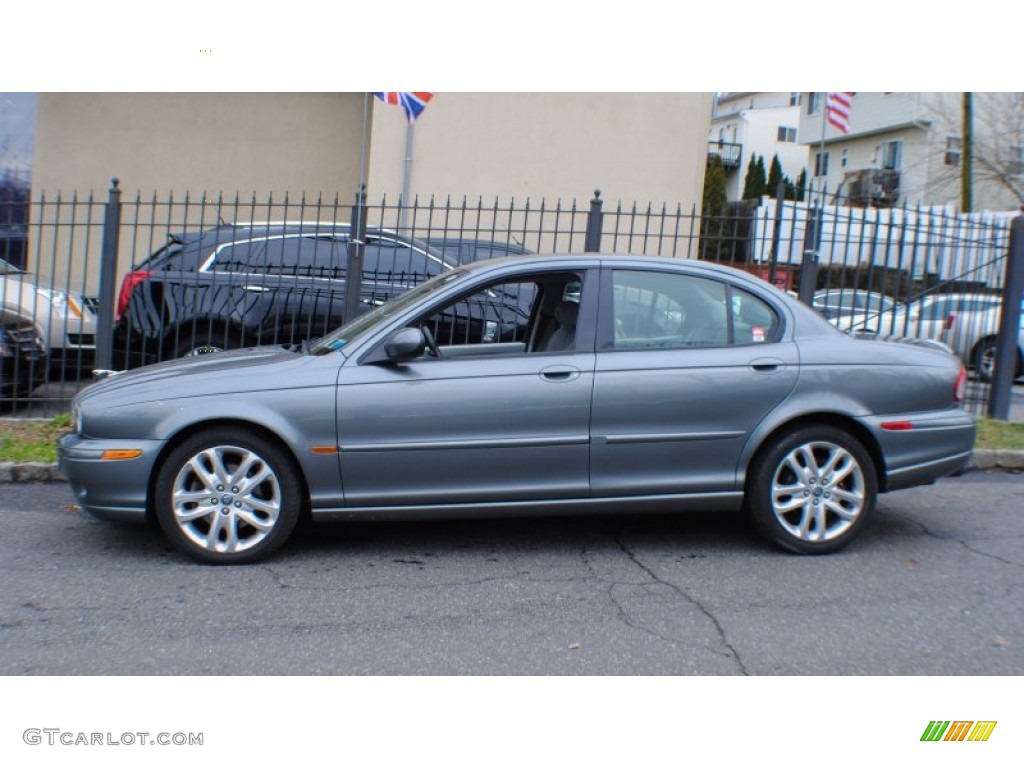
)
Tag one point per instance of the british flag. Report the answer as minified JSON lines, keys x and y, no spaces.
{"x":412,"y":103}
{"x":837,"y":107}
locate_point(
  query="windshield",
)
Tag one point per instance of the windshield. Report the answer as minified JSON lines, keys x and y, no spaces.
{"x":8,"y":269}
{"x":352,"y":330}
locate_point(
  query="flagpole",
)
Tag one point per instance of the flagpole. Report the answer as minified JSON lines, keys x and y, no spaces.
{"x":406,"y":177}
{"x":362,"y":144}
{"x":821,"y":149}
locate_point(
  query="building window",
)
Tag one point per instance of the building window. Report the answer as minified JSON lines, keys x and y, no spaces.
{"x":891,"y":154}
{"x":954,"y":145}
{"x":813,"y":103}
{"x":844,"y":158}
{"x":821,"y":163}
{"x":786,"y":134}
{"x":794,"y":99}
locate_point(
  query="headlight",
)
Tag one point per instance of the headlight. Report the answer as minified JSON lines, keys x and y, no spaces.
{"x":62,"y":303}
{"x":76,"y":417}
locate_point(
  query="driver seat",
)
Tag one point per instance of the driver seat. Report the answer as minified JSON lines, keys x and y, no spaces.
{"x":564,"y":335}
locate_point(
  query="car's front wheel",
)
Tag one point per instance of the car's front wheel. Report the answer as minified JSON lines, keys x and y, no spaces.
{"x":228,"y":496}
{"x":812,"y":490}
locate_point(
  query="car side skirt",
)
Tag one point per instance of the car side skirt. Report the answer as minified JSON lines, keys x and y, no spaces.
{"x":706,"y":502}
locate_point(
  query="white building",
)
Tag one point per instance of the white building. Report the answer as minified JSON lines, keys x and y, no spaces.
{"x":905,"y":149}
{"x":748,"y":124}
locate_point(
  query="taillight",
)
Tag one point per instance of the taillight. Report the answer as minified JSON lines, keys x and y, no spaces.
{"x":960,"y":388}
{"x":131,"y":280}
{"x":950,"y":321}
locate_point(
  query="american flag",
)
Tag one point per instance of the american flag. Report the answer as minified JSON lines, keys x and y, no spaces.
{"x":837,"y":109}
{"x":412,"y":103}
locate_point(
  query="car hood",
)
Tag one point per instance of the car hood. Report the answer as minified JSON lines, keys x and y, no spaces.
{"x":221,"y":373}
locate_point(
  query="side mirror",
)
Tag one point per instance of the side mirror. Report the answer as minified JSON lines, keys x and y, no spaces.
{"x":406,"y":344}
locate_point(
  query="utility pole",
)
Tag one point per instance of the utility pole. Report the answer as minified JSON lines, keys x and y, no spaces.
{"x":967,"y":154}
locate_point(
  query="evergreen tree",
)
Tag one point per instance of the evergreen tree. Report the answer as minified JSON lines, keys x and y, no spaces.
{"x":761,"y":178}
{"x":775,"y":175}
{"x":751,"y":188}
{"x":714,"y":201}
{"x":801,"y":186}
{"x":714,"y":211}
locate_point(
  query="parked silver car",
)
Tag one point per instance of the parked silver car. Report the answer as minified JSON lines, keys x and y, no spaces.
{"x":847,"y":305}
{"x":631,"y":384}
{"x":968,"y":323}
{"x":67,"y":319}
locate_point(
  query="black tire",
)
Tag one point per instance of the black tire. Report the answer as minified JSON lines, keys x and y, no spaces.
{"x":790,"y":505}
{"x":234,"y":513}
{"x":984,"y":360}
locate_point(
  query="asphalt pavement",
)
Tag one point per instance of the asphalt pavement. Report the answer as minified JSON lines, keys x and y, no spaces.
{"x":932,"y":588}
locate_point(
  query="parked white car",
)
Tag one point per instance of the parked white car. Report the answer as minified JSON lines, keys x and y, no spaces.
{"x":968,"y":323}
{"x":67,"y":319}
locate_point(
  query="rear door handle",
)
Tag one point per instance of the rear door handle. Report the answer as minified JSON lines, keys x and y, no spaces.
{"x":256,"y":289}
{"x":558,"y":373}
{"x":767,"y":365}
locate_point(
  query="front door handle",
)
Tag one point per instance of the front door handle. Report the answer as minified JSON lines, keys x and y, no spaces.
{"x":558,"y":373}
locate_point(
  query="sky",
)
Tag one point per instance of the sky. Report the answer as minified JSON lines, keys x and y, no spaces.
{"x":17,"y":133}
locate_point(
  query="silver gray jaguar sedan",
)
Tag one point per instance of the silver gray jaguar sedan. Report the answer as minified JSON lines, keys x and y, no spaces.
{"x":533,"y":385}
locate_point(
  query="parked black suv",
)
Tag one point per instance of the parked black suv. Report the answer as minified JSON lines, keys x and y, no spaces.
{"x":250,"y":284}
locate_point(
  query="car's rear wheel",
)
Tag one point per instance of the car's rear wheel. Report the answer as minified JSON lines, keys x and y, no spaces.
{"x":985,"y":360}
{"x":228,"y":497}
{"x":812,"y":490}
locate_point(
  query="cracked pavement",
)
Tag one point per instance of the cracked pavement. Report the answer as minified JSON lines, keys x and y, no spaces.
{"x":933,"y":587}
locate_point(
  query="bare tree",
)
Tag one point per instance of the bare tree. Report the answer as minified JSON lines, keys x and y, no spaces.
{"x":998,"y":137}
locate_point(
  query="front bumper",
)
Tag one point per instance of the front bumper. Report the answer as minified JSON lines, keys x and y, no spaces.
{"x":110,"y":489}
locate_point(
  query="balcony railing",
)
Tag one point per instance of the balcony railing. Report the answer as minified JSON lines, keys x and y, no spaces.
{"x":729,"y":153}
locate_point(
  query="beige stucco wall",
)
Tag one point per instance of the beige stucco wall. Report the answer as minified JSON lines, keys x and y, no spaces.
{"x":196,"y":142}
{"x":632,"y":146}
{"x":648,"y":147}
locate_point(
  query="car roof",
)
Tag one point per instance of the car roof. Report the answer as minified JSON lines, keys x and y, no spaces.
{"x":584,"y":260}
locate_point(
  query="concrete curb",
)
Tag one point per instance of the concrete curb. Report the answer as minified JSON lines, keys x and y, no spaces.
{"x":1005,"y":460}
{"x":38,"y":472}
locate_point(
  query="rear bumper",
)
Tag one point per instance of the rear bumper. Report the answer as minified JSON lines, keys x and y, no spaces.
{"x":108,"y":489}
{"x":936,"y":445}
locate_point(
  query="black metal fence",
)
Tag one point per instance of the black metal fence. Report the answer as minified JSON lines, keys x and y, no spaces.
{"x":114,"y":282}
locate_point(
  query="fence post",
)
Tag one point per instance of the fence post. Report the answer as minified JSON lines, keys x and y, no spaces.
{"x":809,"y":266}
{"x":595,"y":219}
{"x":1009,"y":326}
{"x":108,"y":278}
{"x":356,"y":250}
{"x":780,"y":198}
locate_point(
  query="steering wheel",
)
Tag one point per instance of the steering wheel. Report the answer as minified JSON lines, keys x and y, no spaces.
{"x":428,"y":337}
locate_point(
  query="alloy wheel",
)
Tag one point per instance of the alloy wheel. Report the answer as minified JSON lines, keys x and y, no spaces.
{"x":818,"y":491}
{"x":226,"y":499}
